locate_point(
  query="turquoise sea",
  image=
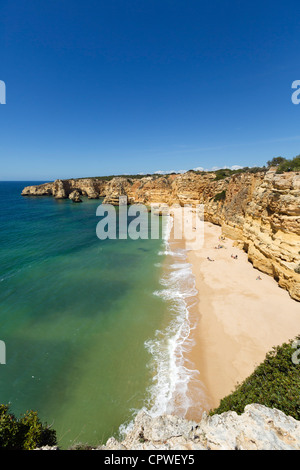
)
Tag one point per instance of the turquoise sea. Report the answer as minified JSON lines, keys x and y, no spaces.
{"x":90,"y":326}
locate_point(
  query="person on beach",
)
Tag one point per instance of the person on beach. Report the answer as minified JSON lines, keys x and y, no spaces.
{"x":209,"y":259}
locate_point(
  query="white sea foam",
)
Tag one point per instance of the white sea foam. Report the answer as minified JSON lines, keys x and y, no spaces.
{"x":171,"y":372}
{"x":169,"y":391}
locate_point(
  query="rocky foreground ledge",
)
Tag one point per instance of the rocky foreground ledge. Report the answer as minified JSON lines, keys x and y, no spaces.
{"x":258,"y":428}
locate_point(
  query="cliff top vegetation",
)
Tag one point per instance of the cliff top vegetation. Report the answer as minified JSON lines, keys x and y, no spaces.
{"x":275,"y":383}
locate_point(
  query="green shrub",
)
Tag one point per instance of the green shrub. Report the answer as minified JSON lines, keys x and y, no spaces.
{"x":220,"y":196}
{"x":276,"y":161}
{"x":274,"y":383}
{"x":221,"y":174}
{"x":257,"y":169}
{"x":25,"y":433}
{"x":289,"y":165}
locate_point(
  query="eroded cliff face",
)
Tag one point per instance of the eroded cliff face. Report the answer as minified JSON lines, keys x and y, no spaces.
{"x":61,"y":189}
{"x":258,"y":428}
{"x":260,"y":211}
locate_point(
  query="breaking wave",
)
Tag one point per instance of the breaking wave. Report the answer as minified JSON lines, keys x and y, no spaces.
{"x":172,"y":373}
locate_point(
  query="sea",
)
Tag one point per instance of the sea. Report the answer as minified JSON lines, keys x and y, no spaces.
{"x":94,"y":330}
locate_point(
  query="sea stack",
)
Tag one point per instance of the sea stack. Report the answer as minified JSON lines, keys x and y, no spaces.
{"x":75,"y":196}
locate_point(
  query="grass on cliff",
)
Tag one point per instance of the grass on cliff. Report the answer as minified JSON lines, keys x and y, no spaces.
{"x":220,"y":196}
{"x":275,"y":383}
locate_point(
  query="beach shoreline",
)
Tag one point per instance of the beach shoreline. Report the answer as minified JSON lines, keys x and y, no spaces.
{"x":238,"y":315}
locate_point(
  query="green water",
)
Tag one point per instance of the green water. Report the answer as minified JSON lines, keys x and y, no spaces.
{"x":75,"y":313}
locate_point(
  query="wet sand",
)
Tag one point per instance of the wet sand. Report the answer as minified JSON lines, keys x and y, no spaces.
{"x":237,"y":320}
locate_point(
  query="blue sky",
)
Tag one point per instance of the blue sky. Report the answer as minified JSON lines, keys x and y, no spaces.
{"x":125,"y":86}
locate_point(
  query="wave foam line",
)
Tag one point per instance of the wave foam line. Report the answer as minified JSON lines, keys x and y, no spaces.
{"x":169,"y":392}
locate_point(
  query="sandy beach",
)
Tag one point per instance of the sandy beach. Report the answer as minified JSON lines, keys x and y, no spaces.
{"x":240,"y":315}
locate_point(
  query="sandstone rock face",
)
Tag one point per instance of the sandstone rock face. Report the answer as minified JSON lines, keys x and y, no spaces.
{"x":189,"y":187}
{"x":261,"y":211}
{"x":93,"y":188}
{"x":59,"y":190}
{"x":116,"y":188}
{"x":258,"y":428}
{"x":40,"y":190}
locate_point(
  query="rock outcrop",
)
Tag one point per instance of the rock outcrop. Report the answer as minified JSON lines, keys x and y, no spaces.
{"x":75,"y":196}
{"x":260,"y":211}
{"x":59,"y":190}
{"x":92,"y":188}
{"x":258,"y":428}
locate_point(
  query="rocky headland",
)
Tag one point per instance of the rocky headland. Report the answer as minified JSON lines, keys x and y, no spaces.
{"x":260,"y":211}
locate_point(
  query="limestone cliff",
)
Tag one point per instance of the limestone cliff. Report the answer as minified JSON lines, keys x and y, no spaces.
{"x":258,"y":428}
{"x":93,"y":188}
{"x":261,"y":211}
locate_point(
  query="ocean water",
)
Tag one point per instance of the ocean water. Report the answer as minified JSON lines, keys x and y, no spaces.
{"x":93,"y":328}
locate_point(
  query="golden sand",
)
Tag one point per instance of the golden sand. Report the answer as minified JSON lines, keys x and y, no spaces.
{"x":240,"y":315}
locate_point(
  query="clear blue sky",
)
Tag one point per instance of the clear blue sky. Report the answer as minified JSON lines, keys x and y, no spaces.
{"x":100,"y":87}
